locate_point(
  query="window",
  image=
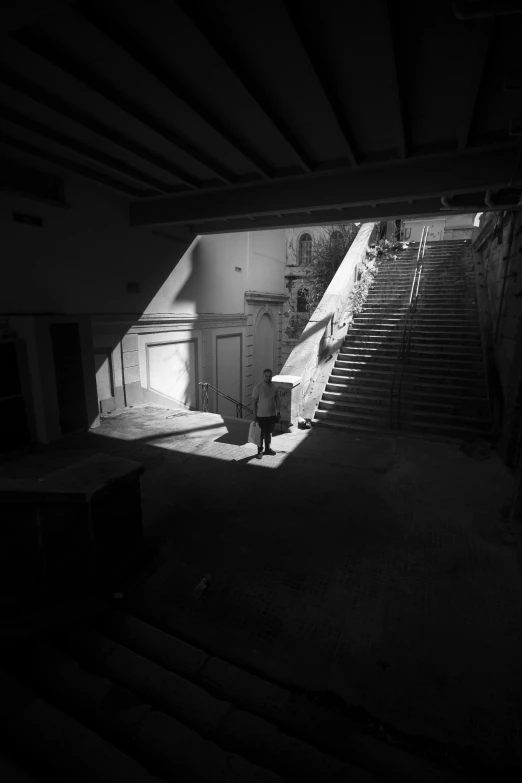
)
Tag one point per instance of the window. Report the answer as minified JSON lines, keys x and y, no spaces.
{"x":302,"y":300}
{"x":305,"y":249}
{"x":336,"y":239}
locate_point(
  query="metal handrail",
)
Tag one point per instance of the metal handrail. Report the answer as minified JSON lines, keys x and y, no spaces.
{"x":239,"y":405}
{"x":403,"y":354}
{"x":420,"y":256}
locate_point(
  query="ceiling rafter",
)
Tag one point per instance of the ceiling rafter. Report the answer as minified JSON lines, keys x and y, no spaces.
{"x":391,"y":211}
{"x":42,"y":96}
{"x":416,"y":179}
{"x":31,"y":39}
{"x":397,"y":77}
{"x":484,"y":35}
{"x":235,"y":62}
{"x":116,"y":165}
{"x":69,"y":165}
{"x":134,"y":48}
{"x":295,"y":14}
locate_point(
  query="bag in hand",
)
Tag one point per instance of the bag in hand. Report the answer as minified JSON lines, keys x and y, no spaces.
{"x":254,"y":434}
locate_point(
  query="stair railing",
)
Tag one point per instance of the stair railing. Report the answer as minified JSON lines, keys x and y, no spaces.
{"x":239,"y":405}
{"x":403,"y":356}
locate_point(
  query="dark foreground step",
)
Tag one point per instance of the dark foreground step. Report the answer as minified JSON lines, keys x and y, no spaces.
{"x":265,"y":705}
{"x":187,"y":715}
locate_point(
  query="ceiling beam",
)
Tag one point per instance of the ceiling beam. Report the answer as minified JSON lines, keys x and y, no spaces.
{"x":235,"y":62}
{"x":17,"y":14}
{"x":513,"y":85}
{"x":69,"y":165}
{"x":395,"y":70}
{"x":45,"y":98}
{"x":477,"y":69}
{"x":413,"y":179}
{"x":133,"y":46}
{"x":317,"y":62}
{"x":73,"y":66}
{"x":392,"y":211}
{"x":26,"y":181}
{"x":115,"y":165}
{"x":485,"y":9}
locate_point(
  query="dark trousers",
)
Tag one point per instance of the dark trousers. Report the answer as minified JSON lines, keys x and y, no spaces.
{"x":267,"y":424}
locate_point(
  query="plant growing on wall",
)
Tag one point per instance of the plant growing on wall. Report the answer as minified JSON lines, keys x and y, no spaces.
{"x":375,"y":256}
{"x":329,"y":248}
{"x":296,"y":324}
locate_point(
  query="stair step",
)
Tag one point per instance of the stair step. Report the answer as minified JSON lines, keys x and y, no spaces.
{"x":397,"y":321}
{"x":437,"y":330}
{"x":415,"y":348}
{"x":345,"y":401}
{"x":457,"y":426}
{"x":412,"y":391}
{"x":386,"y":290}
{"x":416,"y":356}
{"x":422,"y":430}
{"x":442,"y":301}
{"x":147,"y":702}
{"x":382,"y":368}
{"x":376,"y":343}
{"x":322,"y":738}
{"x":423,"y":309}
{"x":382,"y":375}
{"x":390,"y":336}
{"x":381,"y":430}
{"x":424,"y":290}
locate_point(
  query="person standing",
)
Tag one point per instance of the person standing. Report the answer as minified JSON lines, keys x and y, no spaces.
{"x":266,"y":410}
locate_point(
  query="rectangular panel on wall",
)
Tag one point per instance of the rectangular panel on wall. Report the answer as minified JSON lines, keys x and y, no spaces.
{"x":102,"y":361}
{"x":172,"y":371}
{"x":104,"y":380}
{"x":228,"y":372}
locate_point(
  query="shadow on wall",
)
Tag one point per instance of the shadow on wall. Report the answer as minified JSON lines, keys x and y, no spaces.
{"x":212,"y":277}
{"x":116,"y":349}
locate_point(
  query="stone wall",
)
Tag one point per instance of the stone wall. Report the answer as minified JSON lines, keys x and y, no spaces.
{"x":497,"y":246}
{"x":324,"y":332}
{"x":293,"y":322}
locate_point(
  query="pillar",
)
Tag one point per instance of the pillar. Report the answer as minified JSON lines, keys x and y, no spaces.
{"x":289,"y":393}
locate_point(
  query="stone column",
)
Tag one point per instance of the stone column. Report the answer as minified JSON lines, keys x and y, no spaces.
{"x":289,"y":392}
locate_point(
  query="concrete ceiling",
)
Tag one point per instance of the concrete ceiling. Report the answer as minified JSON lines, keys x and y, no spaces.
{"x":239,"y":115}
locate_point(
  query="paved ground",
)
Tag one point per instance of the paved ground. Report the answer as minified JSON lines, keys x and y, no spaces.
{"x":377,"y":568}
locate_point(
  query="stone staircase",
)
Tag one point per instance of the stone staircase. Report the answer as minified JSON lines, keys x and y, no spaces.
{"x":441,"y":387}
{"x":119,"y":698}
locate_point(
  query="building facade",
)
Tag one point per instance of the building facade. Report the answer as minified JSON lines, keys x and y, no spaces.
{"x":296,"y":314}
{"x":440,"y":227}
{"x":100,"y":315}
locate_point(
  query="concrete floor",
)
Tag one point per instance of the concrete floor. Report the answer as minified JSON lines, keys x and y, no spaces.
{"x":378,"y":568}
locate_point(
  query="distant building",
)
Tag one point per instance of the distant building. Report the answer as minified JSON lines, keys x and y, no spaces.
{"x":441,"y":227}
{"x":296,"y":312}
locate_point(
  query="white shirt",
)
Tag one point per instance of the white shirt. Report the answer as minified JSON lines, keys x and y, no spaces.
{"x":266,"y":397}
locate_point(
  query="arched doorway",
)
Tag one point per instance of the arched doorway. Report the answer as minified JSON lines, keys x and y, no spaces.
{"x":263,"y":347}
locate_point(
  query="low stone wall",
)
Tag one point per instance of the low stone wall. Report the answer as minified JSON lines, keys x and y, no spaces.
{"x":322,"y":336}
